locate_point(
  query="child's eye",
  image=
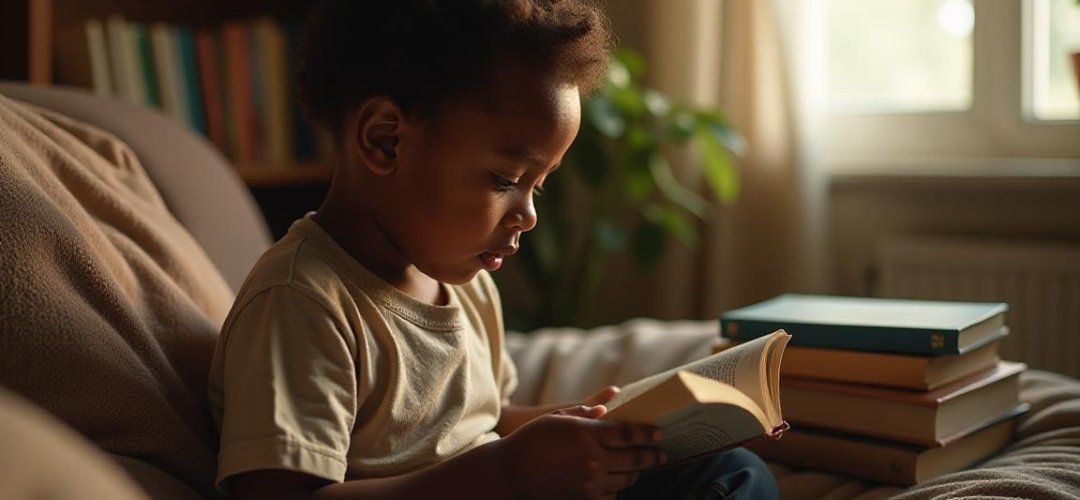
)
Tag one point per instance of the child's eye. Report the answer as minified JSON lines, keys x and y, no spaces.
{"x":502,"y":183}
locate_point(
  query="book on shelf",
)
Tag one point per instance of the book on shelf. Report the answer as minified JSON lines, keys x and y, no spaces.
{"x":711,"y":404}
{"x":231,"y":82}
{"x":100,"y":74}
{"x":892,"y":462}
{"x":925,"y":418}
{"x":905,"y":371}
{"x":870,"y":324}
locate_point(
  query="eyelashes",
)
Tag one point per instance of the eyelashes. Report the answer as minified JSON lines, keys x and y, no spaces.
{"x":504,"y":184}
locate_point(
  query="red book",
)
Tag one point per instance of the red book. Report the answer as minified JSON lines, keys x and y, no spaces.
{"x":210,"y":81}
{"x":238,"y":90}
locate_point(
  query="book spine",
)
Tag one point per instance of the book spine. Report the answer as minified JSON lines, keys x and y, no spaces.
{"x":858,"y":338}
{"x":212,"y":96}
{"x":275,"y":97}
{"x":99,"y":57}
{"x":237,"y":69}
{"x":167,"y":67}
{"x":121,"y":59}
{"x":144,"y":61}
{"x":190,"y":77}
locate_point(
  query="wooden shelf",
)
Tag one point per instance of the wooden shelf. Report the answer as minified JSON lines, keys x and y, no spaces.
{"x":269,"y":176}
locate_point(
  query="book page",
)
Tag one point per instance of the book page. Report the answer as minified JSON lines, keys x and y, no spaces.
{"x":703,"y":429}
{"x":740,"y":366}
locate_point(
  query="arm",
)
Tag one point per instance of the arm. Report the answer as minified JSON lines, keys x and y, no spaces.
{"x":514,"y":416}
{"x":569,"y":454}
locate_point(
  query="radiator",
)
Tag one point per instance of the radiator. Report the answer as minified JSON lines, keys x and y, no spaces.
{"x":1039,"y":280}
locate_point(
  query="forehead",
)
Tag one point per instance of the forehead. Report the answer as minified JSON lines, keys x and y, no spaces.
{"x":515,"y":106}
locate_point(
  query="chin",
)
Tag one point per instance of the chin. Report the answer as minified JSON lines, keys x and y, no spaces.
{"x":455,"y":276}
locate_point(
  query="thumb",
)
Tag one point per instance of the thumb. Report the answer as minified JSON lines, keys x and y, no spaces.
{"x":583,"y":411}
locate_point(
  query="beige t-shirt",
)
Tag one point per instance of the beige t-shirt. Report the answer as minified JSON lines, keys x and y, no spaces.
{"x":324,"y":368}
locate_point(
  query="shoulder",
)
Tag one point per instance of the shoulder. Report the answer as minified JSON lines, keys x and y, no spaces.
{"x":296,"y":271}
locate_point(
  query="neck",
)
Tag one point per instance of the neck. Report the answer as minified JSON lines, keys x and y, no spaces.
{"x":354,"y":225}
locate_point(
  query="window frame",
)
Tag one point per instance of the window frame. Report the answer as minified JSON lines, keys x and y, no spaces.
{"x":997,"y":125}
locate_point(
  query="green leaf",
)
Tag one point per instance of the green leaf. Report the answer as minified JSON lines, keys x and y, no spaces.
{"x":637,"y":184}
{"x":648,"y":244}
{"x":674,"y":222}
{"x":680,"y":126}
{"x":670,"y":187}
{"x":631,"y":61}
{"x":629,"y":103}
{"x":656,"y":103}
{"x":719,"y":127}
{"x":618,"y":75}
{"x":719,"y":172}
{"x":604,"y":116}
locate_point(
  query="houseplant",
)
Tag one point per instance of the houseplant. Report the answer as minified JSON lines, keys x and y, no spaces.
{"x":617,"y":191}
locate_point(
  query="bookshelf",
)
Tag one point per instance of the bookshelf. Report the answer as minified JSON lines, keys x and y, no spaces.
{"x":41,"y":50}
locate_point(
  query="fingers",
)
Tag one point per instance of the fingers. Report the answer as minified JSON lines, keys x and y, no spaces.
{"x":583,"y":411}
{"x":634,"y":459}
{"x":618,"y":435}
{"x":602,"y":396}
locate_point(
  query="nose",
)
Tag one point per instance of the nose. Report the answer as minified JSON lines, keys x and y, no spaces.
{"x":522,"y":216}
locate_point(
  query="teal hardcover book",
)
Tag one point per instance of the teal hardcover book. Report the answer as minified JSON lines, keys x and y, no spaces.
{"x":921,"y":327}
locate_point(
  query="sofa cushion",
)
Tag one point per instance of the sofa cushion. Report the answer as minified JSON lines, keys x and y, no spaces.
{"x":110,"y":309}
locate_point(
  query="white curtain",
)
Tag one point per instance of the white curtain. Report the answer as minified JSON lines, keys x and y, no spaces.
{"x":760,"y":62}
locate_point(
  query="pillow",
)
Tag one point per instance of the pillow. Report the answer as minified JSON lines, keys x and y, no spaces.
{"x":110,"y":310}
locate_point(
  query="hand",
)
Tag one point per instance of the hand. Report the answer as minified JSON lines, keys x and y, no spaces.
{"x":601,"y":397}
{"x":570,"y":454}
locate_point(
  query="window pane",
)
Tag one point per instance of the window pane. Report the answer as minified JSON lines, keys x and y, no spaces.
{"x":1055,"y":33}
{"x":899,"y":55}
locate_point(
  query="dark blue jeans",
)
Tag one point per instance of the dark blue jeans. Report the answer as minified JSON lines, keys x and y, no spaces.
{"x":736,"y":473}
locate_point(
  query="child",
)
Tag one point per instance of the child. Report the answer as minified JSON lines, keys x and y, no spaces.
{"x":364,"y":355}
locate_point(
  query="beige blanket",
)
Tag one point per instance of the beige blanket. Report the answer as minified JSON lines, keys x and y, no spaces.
{"x":557,"y":365}
{"x":108,"y":308}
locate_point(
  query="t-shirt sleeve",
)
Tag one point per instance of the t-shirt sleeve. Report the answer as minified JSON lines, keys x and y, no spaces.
{"x":289,"y":388}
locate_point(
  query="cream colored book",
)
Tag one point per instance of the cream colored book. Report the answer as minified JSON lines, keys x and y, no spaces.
{"x":891,"y":461}
{"x":711,"y":404}
{"x":906,"y":371}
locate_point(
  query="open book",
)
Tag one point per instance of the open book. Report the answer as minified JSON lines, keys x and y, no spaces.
{"x":710,"y":404}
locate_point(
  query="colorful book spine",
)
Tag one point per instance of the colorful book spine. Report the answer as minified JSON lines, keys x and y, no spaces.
{"x":185,"y":43}
{"x":241,"y":115}
{"x":145,"y":65}
{"x":277,"y":124}
{"x":213,"y":96}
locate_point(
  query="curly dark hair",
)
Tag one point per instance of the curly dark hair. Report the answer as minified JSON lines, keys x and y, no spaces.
{"x":421,"y":53}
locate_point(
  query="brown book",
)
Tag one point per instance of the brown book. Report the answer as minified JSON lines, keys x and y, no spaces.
{"x":923,"y":373}
{"x":890,"y":461}
{"x":910,"y":416}
{"x":711,"y":404}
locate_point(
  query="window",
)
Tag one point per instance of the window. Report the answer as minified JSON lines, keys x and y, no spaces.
{"x":950,"y":79}
{"x":919,"y":60}
{"x":1053,"y":33}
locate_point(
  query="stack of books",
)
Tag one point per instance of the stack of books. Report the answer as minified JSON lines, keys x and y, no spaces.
{"x":232,"y":83}
{"x":898,"y":391}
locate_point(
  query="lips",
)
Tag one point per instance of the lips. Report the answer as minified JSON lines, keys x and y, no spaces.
{"x":493,"y":260}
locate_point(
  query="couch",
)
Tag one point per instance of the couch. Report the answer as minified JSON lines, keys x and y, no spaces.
{"x":123,"y":238}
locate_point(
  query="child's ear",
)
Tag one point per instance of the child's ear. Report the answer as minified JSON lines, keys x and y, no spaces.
{"x":375,"y":134}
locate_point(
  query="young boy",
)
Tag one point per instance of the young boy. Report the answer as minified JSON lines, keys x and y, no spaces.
{"x":364,"y":355}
